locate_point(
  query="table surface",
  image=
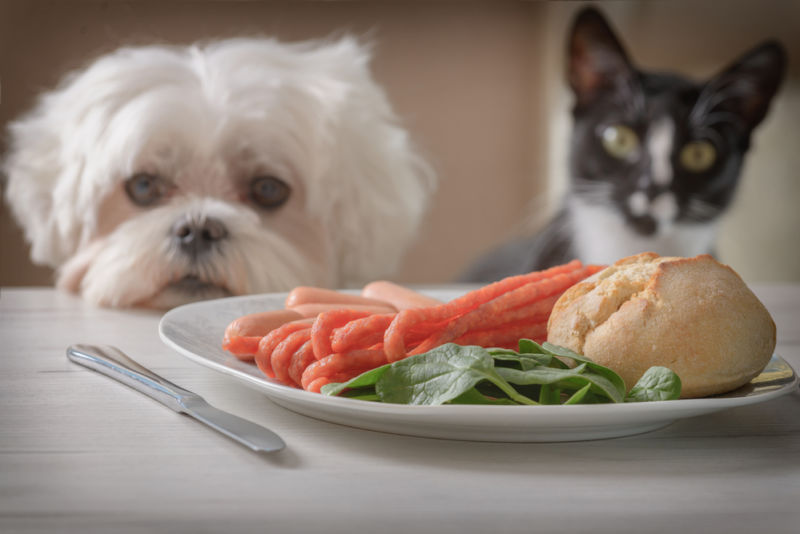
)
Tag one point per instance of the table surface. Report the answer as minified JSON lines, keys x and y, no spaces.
{"x":82,"y":453}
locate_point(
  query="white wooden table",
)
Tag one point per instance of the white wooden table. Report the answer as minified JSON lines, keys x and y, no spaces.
{"x":82,"y":453}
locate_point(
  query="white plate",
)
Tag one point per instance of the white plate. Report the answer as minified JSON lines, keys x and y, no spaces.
{"x":195,"y":330}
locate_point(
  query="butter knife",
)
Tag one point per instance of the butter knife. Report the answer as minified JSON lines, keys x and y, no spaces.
{"x":112,"y":362}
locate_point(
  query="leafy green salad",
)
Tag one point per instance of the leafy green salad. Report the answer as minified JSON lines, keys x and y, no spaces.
{"x":534,"y":375}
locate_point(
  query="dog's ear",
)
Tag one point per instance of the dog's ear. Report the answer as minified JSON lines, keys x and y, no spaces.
{"x":39,"y":181}
{"x":377,"y":186}
{"x":597,"y":59}
{"x":59,"y":163}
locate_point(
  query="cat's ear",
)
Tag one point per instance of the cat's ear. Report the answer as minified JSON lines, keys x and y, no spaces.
{"x":747,"y":86}
{"x":597,"y":60}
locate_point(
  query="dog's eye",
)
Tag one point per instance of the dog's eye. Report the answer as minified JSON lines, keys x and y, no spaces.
{"x":269,"y":192}
{"x":145,"y":189}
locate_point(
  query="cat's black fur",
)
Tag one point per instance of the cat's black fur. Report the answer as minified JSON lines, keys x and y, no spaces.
{"x":647,"y":200}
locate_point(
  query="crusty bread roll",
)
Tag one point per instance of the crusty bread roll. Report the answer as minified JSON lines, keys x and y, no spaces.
{"x":692,"y":315}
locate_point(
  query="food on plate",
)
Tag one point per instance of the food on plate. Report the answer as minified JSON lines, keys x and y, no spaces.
{"x":537,"y":374}
{"x":693,"y":315}
{"x":304,"y":295}
{"x":313,"y":310}
{"x":398,"y":296}
{"x":653,"y":327}
{"x":311,"y":301}
{"x":499,"y":312}
{"x":303,"y":304}
{"x":243,"y":334}
{"x":341,"y":343}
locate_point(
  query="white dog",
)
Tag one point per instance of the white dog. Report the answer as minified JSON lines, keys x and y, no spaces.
{"x":159,"y":176}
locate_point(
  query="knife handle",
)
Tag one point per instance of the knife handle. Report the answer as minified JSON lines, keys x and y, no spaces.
{"x":112,"y":362}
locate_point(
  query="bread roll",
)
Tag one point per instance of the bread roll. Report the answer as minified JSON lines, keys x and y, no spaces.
{"x":692,"y":315}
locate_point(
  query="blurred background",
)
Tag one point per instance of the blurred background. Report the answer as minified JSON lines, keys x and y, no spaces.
{"x":479,"y":84}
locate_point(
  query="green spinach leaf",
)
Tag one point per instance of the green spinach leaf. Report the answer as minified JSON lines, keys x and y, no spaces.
{"x":579,"y":395}
{"x":549,"y":394}
{"x":441,"y":375}
{"x":474,"y":375}
{"x":474,"y":396}
{"x":568,"y":379}
{"x":656,"y":384}
{"x":602,"y":370}
{"x":366,"y":379}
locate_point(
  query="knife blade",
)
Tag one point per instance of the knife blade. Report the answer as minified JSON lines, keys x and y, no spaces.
{"x":113,"y":363}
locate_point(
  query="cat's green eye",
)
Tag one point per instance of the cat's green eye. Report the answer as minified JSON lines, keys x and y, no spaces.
{"x":620,"y":141}
{"x":698,"y":156}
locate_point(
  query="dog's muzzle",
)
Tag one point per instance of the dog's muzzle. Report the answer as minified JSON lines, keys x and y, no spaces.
{"x":196,"y":236}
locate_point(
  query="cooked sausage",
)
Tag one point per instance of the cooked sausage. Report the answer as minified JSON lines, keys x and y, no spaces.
{"x":260,"y":324}
{"x":398,"y":296}
{"x":314,"y":309}
{"x":315,"y":295}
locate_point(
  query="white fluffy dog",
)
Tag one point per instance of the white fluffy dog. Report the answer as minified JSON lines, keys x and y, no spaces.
{"x":159,"y":176}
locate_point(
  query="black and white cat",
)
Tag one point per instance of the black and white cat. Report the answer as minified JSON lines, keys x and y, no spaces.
{"x":654,"y":159}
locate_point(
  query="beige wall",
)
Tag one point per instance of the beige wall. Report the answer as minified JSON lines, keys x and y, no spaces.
{"x":479,"y":86}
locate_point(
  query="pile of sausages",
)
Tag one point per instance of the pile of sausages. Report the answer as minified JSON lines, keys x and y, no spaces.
{"x":325,"y":336}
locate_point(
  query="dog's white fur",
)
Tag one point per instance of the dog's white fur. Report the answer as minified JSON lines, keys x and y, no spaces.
{"x":208,"y":118}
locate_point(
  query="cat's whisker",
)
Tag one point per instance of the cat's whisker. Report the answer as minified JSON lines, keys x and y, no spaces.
{"x":698,"y":210}
{"x":598,"y":192}
{"x":537,"y":214}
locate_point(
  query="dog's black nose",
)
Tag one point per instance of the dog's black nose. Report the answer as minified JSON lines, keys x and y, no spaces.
{"x":195,"y":236}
